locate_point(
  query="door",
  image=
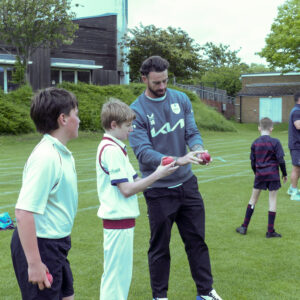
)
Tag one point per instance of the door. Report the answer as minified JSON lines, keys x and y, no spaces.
{"x":271,"y":108}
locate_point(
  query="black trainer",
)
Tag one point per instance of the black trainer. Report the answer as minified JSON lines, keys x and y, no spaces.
{"x":242,"y":230}
{"x":272,"y":234}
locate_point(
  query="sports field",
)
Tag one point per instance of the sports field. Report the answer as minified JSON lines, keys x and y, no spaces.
{"x":247,"y":267}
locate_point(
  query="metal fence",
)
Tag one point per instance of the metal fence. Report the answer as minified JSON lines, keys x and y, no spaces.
{"x":209,"y":93}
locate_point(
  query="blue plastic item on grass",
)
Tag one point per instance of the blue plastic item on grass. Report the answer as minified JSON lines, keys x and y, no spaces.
{"x":6,"y":222}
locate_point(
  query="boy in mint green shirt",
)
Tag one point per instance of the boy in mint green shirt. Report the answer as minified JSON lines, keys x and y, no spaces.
{"x":47,"y":202}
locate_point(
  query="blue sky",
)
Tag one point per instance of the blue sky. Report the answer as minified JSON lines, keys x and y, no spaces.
{"x":239,"y":23}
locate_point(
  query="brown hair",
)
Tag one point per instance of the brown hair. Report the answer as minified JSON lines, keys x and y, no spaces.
{"x":115,"y":110}
{"x":154,"y":64}
{"x":266,"y":124}
{"x":48,"y":104}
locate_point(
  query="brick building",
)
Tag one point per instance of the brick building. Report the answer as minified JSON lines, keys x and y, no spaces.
{"x":266,"y":95}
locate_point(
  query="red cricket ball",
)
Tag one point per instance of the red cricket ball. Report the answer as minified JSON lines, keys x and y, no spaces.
{"x":205,"y":157}
{"x":50,"y":278}
{"x":167,"y":160}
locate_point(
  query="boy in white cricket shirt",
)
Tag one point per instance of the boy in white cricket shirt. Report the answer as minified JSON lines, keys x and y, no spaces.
{"x":117,"y":185}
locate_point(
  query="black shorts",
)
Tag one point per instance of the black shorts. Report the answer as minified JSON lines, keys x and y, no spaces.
{"x":54,"y":254}
{"x":270,"y":185}
{"x":295,"y":155}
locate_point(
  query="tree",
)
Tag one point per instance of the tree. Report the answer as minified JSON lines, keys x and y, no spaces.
{"x":216,"y":56}
{"x":225,"y":78}
{"x":173,"y":44}
{"x":282,"y":48}
{"x":26,"y":25}
{"x":258,"y":68}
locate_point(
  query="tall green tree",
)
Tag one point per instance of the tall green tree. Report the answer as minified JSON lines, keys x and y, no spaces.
{"x":173,"y":44}
{"x":217,"y":56}
{"x":282,"y":48}
{"x":26,"y":25}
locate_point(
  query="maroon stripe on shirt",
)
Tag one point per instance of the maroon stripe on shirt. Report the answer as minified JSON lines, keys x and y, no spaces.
{"x":118,"y":224}
{"x":259,"y":173}
{"x":263,"y":144}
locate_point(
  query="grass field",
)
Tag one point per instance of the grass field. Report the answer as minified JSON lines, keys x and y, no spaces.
{"x":247,"y":267}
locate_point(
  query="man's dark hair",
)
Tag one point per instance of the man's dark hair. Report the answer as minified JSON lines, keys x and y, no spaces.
{"x":154,"y":64}
{"x":297,"y":96}
{"x":47,"y":105}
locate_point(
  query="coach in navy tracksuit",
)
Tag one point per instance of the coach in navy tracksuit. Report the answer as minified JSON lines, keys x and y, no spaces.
{"x":294,"y":146}
{"x":165,"y":126}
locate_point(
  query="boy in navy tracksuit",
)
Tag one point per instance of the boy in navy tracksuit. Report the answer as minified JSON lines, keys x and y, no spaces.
{"x":266,"y":156}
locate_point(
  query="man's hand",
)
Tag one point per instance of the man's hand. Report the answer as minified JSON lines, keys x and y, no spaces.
{"x":204,"y":157}
{"x":191,"y":157}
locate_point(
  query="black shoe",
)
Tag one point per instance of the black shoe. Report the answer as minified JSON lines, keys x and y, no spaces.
{"x":272,"y":234}
{"x":242,"y":230}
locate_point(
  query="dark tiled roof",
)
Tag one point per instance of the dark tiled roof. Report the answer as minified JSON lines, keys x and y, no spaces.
{"x":269,"y":90}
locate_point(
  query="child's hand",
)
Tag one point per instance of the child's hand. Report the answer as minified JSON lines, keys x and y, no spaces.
{"x":163,"y":171}
{"x":284,"y":178}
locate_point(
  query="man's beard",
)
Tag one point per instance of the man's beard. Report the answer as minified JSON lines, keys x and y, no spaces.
{"x":156,"y":94}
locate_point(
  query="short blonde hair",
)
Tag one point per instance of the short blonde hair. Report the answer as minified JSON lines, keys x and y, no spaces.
{"x":266,"y":124}
{"x":115,"y":110}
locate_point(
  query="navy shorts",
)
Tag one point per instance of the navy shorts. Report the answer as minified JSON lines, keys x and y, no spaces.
{"x":267,"y":185}
{"x":54,"y":255}
{"x":295,"y":155}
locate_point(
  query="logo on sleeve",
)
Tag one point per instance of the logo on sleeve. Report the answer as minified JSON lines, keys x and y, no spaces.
{"x":175,"y":108}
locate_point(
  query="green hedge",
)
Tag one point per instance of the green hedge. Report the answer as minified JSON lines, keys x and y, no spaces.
{"x":15,"y":111}
{"x":15,"y":107}
{"x":92,"y":97}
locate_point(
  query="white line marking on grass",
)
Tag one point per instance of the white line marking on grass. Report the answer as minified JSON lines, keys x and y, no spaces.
{"x":85,"y":159}
{"x":88,"y":179}
{"x":244,"y":173}
{"x":9,"y":182}
{"x":225,"y":143}
{"x":220,"y":158}
{"x":8,"y":193}
{"x":8,"y":168}
{"x":5,"y":174}
{"x":89,"y":191}
{"x":236,"y":162}
{"x":6,"y":206}
{"x":87,"y":208}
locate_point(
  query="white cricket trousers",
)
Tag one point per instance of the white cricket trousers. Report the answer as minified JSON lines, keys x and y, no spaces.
{"x":118,"y":261}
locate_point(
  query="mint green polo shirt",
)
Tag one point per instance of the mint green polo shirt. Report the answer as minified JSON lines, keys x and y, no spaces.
{"x":49,"y":188}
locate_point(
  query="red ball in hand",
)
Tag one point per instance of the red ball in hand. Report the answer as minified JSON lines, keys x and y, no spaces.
{"x":205,"y":157}
{"x":49,"y":276}
{"x":167,"y":160}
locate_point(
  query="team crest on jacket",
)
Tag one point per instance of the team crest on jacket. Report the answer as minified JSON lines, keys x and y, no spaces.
{"x":151,"y":119}
{"x":175,"y":108}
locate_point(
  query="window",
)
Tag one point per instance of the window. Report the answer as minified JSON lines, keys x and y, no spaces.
{"x":84,"y":76}
{"x":68,"y":76}
{"x":54,"y":77}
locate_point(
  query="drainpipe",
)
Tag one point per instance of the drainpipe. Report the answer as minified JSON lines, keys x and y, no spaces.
{"x":241,"y":109}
